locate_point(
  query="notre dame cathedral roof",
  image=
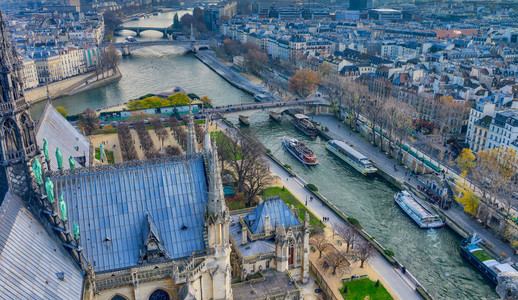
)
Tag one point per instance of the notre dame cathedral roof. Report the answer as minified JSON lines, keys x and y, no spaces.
{"x":33,"y":263}
{"x":111,"y":204}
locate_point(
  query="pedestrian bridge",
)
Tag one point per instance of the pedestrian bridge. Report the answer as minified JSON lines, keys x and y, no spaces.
{"x":277,"y":106}
{"x":194,"y":45}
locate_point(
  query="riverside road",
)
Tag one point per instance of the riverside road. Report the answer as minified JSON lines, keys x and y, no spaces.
{"x":342,"y":132}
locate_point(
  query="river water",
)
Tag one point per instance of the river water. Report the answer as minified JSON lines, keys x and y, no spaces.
{"x":431,"y":255}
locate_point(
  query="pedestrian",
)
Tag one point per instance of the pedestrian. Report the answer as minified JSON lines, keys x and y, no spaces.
{"x":287,"y":178}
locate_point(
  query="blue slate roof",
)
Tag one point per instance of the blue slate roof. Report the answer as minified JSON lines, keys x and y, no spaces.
{"x":278,"y":212}
{"x":31,"y":259}
{"x":60,"y":133}
{"x":110,"y":207}
{"x":251,"y":248}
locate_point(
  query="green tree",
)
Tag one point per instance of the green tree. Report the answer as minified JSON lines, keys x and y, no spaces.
{"x":176,"y":22}
{"x":62,"y":111}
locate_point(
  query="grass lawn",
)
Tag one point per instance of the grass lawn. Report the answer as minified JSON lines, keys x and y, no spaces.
{"x":289,"y":199}
{"x":482,"y":255}
{"x":109,"y":155}
{"x":359,"y":289}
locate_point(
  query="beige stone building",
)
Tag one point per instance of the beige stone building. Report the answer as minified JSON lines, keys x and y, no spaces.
{"x":271,"y":238}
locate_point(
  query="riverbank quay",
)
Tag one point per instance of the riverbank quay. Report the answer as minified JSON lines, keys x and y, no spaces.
{"x":233,"y":77}
{"x":458,"y":221}
{"x":405,"y":286}
{"x":71,"y":86}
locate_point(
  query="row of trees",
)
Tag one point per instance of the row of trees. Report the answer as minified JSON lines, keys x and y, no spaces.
{"x":146,"y":142}
{"x":385,"y":113}
{"x":179,"y":133}
{"x":493,"y":172}
{"x":126,"y":143}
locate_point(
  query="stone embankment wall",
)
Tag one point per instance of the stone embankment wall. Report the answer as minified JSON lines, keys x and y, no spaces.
{"x":70,"y":86}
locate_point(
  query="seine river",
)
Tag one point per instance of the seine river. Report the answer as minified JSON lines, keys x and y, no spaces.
{"x":431,"y":255}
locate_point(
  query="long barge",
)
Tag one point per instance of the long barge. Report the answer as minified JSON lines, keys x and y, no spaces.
{"x":354,"y":158}
{"x":479,"y":258}
{"x":416,"y":211}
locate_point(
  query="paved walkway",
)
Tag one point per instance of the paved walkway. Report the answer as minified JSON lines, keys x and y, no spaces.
{"x":397,"y":282}
{"x":380,"y":159}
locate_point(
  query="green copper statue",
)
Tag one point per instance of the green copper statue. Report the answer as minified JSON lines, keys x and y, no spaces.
{"x":59,"y":157}
{"x":36,"y":167}
{"x":46,"y":150}
{"x":76,"y":230}
{"x":102,"y":155}
{"x":63,"y":207}
{"x":71,"y":162}
{"x":49,"y":188}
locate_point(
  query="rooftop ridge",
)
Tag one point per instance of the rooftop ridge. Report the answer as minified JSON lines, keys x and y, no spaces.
{"x":123,"y":165}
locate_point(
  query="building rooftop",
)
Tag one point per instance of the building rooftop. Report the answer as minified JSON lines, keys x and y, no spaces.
{"x":31,"y":260}
{"x":275,"y":284}
{"x":111,"y":205}
{"x":278,"y":212}
{"x":60,"y":133}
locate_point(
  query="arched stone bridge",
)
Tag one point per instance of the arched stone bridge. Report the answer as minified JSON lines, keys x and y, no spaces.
{"x":166,"y":31}
{"x":194,"y":46}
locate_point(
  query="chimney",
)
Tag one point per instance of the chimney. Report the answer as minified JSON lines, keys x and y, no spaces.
{"x":244,"y":236}
{"x":267,"y":225}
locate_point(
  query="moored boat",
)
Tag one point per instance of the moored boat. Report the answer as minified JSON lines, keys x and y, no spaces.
{"x":418,"y":212}
{"x":300,"y":151}
{"x":303,"y":124}
{"x":354,"y":158}
{"x":245,"y":120}
{"x":261,"y":97}
{"x":479,"y":258}
{"x":275,"y":115}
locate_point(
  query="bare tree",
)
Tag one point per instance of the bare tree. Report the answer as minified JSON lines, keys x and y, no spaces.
{"x":244,"y":154}
{"x":126,"y":144}
{"x":89,"y":121}
{"x":347,"y":233}
{"x":173,"y":150}
{"x":373,"y":111}
{"x":354,"y":99}
{"x":320,"y":242}
{"x":145,"y":139}
{"x":200,"y":134}
{"x":364,"y":251}
{"x":337,"y":260}
{"x":160,"y":131}
{"x":112,"y":57}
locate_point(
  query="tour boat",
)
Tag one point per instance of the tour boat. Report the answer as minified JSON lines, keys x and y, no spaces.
{"x":479,"y":258}
{"x":131,"y":39}
{"x":415,"y":210}
{"x":275,"y":115}
{"x":245,"y":120}
{"x":261,"y":97}
{"x":300,"y":151}
{"x":354,"y":158}
{"x":303,"y":123}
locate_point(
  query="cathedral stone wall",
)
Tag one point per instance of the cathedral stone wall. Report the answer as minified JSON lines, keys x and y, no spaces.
{"x":142,"y":291}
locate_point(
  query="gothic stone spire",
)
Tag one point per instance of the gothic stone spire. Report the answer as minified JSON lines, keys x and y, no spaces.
{"x":191,"y":133}
{"x":17,"y":137}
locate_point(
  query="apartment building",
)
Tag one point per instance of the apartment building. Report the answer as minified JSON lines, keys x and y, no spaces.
{"x":30,"y":75}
